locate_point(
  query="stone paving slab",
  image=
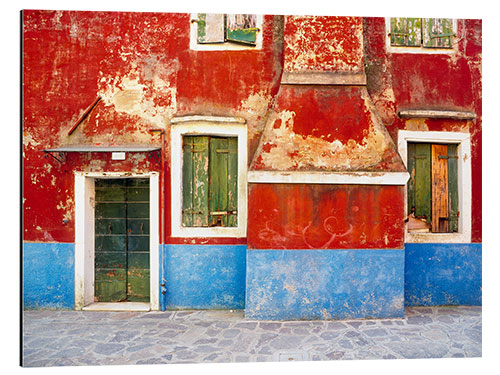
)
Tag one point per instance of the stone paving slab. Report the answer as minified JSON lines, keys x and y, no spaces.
{"x":81,"y":338}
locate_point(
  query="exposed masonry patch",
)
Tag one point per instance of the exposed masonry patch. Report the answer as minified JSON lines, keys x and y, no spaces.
{"x":285,"y":142}
{"x":153,"y":99}
{"x":330,"y":49}
{"x":28,"y":140}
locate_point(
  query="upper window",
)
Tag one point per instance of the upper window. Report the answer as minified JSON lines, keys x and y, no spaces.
{"x":225,"y":31}
{"x":421,"y":34}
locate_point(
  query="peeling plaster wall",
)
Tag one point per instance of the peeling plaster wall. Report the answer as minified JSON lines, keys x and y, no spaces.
{"x":324,"y":284}
{"x":300,"y":216}
{"x":325,"y":129}
{"x":141,"y":66}
{"x":323,"y":43}
{"x":443,"y":274}
{"x":320,"y":126}
{"x":203,"y":276}
{"x":48,"y":275}
{"x":451,"y":81}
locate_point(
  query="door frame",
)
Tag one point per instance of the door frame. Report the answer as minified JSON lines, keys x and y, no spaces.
{"x":84,"y":234}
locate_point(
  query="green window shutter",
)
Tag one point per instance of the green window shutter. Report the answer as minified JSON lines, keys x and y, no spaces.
{"x":223,"y":181}
{"x":422,"y":158}
{"x":241,"y":28}
{"x":453,"y":188}
{"x":406,"y":32}
{"x":210,"y":28}
{"x":411,"y":181}
{"x":195,"y":181}
{"x":437,"y":32}
{"x":232,"y":182}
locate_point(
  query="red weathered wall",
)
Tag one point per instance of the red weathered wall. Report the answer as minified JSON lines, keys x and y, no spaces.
{"x":141,"y":66}
{"x":430,"y":81}
{"x":300,"y":216}
{"x":323,"y":43}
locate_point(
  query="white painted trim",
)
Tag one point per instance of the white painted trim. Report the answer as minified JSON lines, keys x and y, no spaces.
{"x":227,"y":46}
{"x":349,"y":178}
{"x":84,"y":234}
{"x":84,"y":241}
{"x":198,"y":118}
{"x":464,"y":183}
{"x":154,"y":241}
{"x":417,"y":50}
{"x":208,"y":128}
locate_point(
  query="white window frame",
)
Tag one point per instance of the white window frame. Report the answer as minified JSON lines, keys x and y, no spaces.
{"x":209,"y":126}
{"x":226,"y":46}
{"x":418,"y":49}
{"x":464,"y":181}
{"x":84,"y":234}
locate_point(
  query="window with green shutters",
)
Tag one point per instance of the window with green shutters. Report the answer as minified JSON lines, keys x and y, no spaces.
{"x":421,"y":32}
{"x":433,"y":185}
{"x":209,"y":181}
{"x":223,"y":28}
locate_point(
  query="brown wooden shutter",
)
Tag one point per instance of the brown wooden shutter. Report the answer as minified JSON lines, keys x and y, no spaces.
{"x":440,"y":188}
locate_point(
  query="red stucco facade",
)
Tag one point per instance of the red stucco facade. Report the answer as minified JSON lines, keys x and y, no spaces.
{"x":143,"y":69}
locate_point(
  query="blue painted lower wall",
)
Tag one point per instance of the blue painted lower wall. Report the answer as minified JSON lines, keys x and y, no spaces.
{"x":282,"y":284}
{"x":48,"y":275}
{"x":443,"y":274}
{"x":203,"y":276}
{"x":324,"y":284}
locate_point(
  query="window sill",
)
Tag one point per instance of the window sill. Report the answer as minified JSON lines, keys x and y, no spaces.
{"x":437,"y":237}
{"x":202,"y":232}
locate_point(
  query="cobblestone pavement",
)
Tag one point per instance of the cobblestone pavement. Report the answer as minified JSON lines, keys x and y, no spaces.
{"x":73,"y":338}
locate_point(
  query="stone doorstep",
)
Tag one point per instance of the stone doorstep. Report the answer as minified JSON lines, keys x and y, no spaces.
{"x":118,"y":306}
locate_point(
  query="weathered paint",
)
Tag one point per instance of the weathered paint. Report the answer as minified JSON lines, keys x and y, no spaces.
{"x":439,"y":81}
{"x":304,"y":216}
{"x":443,"y":274}
{"x":203,"y":276}
{"x":48,"y":275}
{"x":332,"y":43}
{"x":322,"y":126}
{"x":324,"y":284}
{"x":141,"y":66}
{"x":328,"y":128}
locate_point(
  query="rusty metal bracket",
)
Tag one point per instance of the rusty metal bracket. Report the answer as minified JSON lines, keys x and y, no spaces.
{"x":84,"y":115}
{"x":60,"y":159}
{"x":156,"y":155}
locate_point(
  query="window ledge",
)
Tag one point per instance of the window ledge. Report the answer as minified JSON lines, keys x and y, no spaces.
{"x":437,"y":237}
{"x":324,"y":78}
{"x":428,"y":113}
{"x":201,"y":118}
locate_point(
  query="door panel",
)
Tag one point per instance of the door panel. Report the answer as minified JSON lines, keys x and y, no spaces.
{"x":122,"y":240}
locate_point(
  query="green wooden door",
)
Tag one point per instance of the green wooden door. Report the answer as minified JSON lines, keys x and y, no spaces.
{"x":121,"y":240}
